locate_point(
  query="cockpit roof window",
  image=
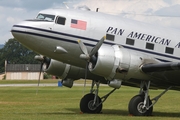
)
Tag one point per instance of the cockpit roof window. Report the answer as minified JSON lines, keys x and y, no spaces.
{"x":45,"y":17}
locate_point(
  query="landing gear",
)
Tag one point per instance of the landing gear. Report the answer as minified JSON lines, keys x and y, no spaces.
{"x":136,"y":106}
{"x":88,"y":105}
{"x":141,"y":105}
{"x":92,"y":103}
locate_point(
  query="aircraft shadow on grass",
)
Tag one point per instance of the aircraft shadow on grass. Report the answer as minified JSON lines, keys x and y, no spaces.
{"x":125,"y":113}
{"x":110,"y":112}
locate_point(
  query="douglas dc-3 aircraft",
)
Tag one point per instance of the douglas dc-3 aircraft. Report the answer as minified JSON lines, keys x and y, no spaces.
{"x":79,"y":43}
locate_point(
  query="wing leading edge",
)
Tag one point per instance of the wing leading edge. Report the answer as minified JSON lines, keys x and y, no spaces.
{"x":160,"y":67}
{"x":165,"y":74}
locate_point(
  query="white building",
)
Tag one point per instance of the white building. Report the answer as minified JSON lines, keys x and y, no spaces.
{"x":23,"y":72}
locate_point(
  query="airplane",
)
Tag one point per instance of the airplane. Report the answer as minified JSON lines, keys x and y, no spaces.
{"x":107,"y":49}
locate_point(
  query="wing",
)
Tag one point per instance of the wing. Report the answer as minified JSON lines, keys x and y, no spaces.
{"x":164,"y":73}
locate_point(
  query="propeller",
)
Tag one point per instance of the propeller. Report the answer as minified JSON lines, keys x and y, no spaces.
{"x":89,"y":57}
{"x":43,"y":60}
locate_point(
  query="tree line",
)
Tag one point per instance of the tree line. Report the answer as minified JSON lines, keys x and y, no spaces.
{"x":15,"y":53}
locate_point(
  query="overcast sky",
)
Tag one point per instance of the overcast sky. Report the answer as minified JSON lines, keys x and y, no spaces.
{"x":161,"y":12}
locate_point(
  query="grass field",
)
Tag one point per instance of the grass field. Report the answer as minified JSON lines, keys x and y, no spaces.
{"x":22,"y":103}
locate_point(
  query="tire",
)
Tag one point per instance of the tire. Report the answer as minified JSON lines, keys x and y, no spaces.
{"x":86,"y":104}
{"x":135,"y":105}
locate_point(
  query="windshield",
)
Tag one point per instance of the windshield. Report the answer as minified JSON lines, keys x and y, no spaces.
{"x":45,"y":17}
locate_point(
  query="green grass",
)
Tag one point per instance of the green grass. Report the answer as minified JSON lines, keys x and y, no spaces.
{"x":36,"y":81}
{"x":22,"y":103}
{"x":27,"y":81}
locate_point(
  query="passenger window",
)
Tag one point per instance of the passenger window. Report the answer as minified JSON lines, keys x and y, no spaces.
{"x":150,"y":46}
{"x":169,"y":50}
{"x":110,"y":37}
{"x":129,"y":41}
{"x":61,"y":20}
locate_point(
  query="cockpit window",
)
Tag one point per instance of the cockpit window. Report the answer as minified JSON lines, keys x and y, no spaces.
{"x":45,"y":17}
{"x":61,"y":20}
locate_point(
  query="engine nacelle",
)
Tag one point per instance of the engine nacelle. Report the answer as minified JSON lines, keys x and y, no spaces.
{"x":63,"y":70}
{"x":69,"y":73}
{"x":116,"y":62}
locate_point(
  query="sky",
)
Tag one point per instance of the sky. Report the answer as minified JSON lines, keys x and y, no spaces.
{"x":158,"y":12}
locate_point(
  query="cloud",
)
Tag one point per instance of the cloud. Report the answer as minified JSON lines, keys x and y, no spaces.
{"x":19,"y":9}
{"x":158,"y":12}
{"x":173,"y":10}
{"x":9,"y":17}
{"x":119,"y":6}
{"x":11,"y":20}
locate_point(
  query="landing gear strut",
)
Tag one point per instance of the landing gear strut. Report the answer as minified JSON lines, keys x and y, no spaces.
{"x":92,"y":103}
{"x":141,"y":105}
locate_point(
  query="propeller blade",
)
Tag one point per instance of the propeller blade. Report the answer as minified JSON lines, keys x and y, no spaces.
{"x":39,"y":78}
{"x":85,"y":78}
{"x":86,"y":56}
{"x":98,"y":45}
{"x":83,"y":47}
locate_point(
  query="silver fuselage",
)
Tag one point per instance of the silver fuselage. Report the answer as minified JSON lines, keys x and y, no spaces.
{"x":44,"y":37}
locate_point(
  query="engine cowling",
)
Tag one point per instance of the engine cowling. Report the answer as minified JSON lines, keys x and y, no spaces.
{"x":116,"y":62}
{"x":69,"y":73}
{"x":63,"y":70}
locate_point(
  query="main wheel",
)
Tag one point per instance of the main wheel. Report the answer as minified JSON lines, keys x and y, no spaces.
{"x":136,"y":106}
{"x":86,"y":104}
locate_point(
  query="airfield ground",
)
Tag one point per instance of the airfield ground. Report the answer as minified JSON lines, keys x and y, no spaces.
{"x":61,"y":103}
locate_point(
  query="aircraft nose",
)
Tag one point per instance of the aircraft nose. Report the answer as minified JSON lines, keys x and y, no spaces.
{"x":25,"y":34}
{"x":18,"y":32}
